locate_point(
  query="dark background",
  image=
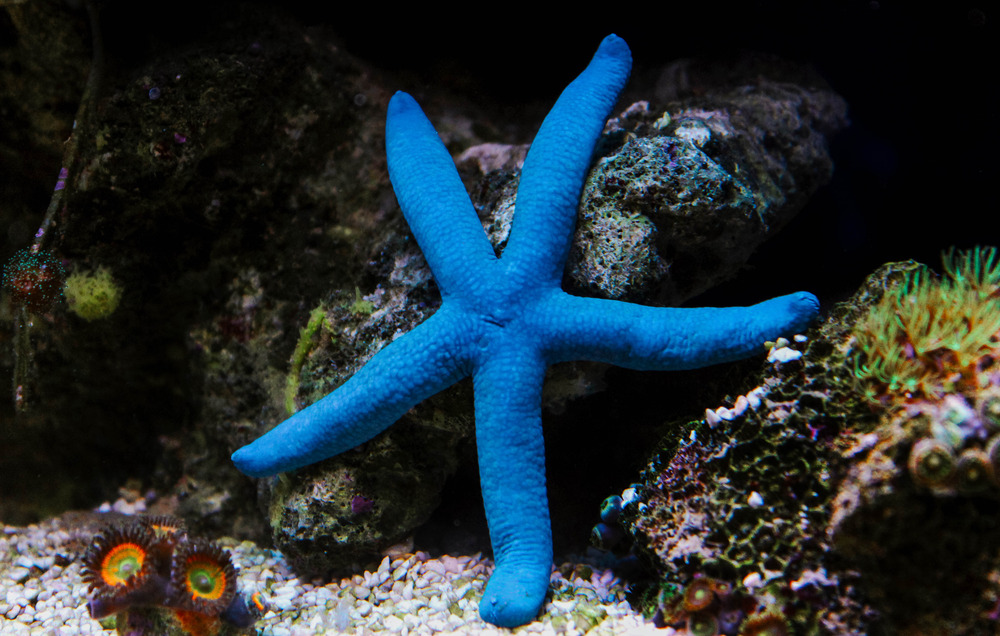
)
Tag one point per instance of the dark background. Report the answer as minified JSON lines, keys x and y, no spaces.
{"x":915,"y":172}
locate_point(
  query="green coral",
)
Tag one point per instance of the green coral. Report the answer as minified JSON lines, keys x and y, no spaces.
{"x":927,"y":335}
{"x":92,"y":295}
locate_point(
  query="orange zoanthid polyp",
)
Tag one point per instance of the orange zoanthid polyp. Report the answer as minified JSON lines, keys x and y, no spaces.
{"x":121,"y":562}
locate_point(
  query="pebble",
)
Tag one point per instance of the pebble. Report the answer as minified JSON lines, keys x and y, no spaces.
{"x":18,"y":575}
{"x":783,"y":354}
{"x":407,"y":594}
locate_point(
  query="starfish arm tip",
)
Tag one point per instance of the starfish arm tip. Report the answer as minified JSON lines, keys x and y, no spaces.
{"x":402,"y":374}
{"x":400,"y":102}
{"x":557,"y":164}
{"x":614,"y":46}
{"x":803,"y":309}
{"x":296,"y":442}
{"x":247,"y":463}
{"x":512,"y":599}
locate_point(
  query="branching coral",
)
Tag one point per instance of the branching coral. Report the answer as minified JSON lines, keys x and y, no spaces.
{"x":930,"y":335}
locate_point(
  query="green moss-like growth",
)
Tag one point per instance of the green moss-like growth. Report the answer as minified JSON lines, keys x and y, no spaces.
{"x":92,"y":295}
{"x":360,"y":305}
{"x":927,"y":335}
{"x":305,"y":344}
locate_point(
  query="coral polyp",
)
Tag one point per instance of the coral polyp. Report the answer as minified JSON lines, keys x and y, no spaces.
{"x":699,"y":595}
{"x":122,"y":562}
{"x":164,"y":525}
{"x":119,"y":567}
{"x":931,"y":463}
{"x":974,"y":472}
{"x":929,"y":335}
{"x":34,"y":279}
{"x":993,"y":452}
{"x":611,"y":509}
{"x":156,"y":580}
{"x":977,"y":269}
{"x":770,"y":622}
{"x":167,"y":532}
{"x":703,"y":624}
{"x":203,"y":576}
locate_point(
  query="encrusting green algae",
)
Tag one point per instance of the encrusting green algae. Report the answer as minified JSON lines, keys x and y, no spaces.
{"x":92,"y":295}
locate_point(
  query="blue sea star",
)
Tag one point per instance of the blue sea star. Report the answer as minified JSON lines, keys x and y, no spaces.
{"x":503,"y":320}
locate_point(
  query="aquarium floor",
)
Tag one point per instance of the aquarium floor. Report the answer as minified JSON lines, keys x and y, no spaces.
{"x":42,"y":591}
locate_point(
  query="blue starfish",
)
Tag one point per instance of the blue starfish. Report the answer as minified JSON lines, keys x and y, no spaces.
{"x":504,"y":320}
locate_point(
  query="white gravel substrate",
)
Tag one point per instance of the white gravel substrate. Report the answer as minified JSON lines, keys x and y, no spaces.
{"x":42,"y":593}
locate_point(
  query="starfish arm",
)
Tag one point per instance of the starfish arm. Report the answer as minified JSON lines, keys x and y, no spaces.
{"x":508,"y":385}
{"x":557,"y":164}
{"x":662,"y":338}
{"x":433,"y":198}
{"x":416,"y":366}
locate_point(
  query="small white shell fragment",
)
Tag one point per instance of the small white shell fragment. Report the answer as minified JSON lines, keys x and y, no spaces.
{"x":711,"y":418}
{"x":752,"y":580}
{"x":741,"y":406}
{"x":783,"y":354}
{"x":694,"y":131}
{"x":629,"y":495}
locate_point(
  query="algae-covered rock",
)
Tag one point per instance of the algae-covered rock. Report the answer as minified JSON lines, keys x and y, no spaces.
{"x":685,"y":191}
{"x":744,"y":495}
{"x":221,"y":182}
{"x":854,"y":508}
{"x":344,"y":511}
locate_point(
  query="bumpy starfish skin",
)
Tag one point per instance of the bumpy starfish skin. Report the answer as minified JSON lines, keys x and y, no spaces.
{"x":504,"y":320}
